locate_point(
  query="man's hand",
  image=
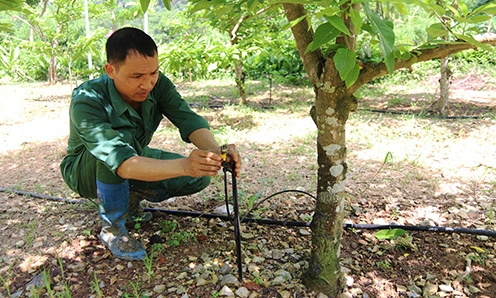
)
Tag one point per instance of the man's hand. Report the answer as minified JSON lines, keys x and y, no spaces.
{"x":233,"y":155}
{"x":202,"y":163}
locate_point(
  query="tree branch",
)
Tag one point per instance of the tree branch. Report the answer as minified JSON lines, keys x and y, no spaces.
{"x":244,"y":17}
{"x":303,"y":35}
{"x":372,"y":70}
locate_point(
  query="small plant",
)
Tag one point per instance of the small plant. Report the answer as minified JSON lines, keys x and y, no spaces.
{"x":31,"y":232}
{"x":398,"y":237}
{"x":149,"y":259}
{"x":383,"y":264}
{"x":95,"y":286}
{"x":479,"y":256}
{"x":167,"y":226}
{"x":257,"y":279}
{"x":178,"y":238}
{"x":48,"y":287}
{"x":6,"y":282}
{"x":136,"y":287}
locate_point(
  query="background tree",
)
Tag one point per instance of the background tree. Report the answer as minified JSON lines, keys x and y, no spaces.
{"x":239,"y":21}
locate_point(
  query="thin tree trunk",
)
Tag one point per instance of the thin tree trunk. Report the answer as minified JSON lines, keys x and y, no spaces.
{"x":240,"y":82}
{"x":444,"y":87}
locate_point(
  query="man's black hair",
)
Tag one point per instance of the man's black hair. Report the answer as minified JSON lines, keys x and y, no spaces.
{"x":127,"y":41}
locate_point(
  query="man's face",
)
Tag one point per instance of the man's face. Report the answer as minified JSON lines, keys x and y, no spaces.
{"x":134,"y":78}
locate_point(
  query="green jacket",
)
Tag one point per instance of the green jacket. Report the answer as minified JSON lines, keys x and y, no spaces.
{"x":112,"y":131}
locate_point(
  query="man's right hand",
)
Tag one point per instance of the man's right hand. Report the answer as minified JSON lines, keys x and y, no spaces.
{"x":202,"y":163}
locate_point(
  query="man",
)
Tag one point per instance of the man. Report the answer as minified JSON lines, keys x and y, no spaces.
{"x":112,"y":120}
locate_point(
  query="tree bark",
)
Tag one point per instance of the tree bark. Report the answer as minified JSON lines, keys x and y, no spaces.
{"x":240,"y":82}
{"x":333,"y":104}
{"x":444,"y":87}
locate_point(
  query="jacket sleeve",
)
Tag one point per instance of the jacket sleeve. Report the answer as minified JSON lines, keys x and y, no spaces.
{"x":92,"y":123}
{"x":176,"y":109}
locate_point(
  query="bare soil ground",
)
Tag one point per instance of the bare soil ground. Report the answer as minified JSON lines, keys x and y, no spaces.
{"x":417,"y":170}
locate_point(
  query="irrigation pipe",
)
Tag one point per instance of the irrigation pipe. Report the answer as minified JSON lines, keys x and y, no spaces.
{"x":438,"y":229}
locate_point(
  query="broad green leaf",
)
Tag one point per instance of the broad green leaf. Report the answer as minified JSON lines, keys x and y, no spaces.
{"x":5,"y":27}
{"x":386,"y":37}
{"x":338,"y":23}
{"x":455,"y":11}
{"x":480,"y":19}
{"x":489,"y":8}
{"x":6,"y":5}
{"x":200,"y":6}
{"x":463,"y":8}
{"x":437,"y":30}
{"x":472,"y":40}
{"x":144,"y":5}
{"x":439,"y":10}
{"x":356,"y":19}
{"x":294,"y":22}
{"x":329,"y":11}
{"x":167,"y":4}
{"x":346,"y":64}
{"x":323,"y":34}
{"x":401,"y":7}
{"x":390,"y":234}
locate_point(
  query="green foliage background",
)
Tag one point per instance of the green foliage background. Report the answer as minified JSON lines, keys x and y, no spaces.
{"x":190,"y":47}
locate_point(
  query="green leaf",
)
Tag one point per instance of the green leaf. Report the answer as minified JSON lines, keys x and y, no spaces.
{"x":386,"y":37}
{"x":437,"y":30}
{"x":144,"y":5}
{"x":6,"y":5}
{"x":338,"y":23}
{"x":356,"y":19}
{"x":473,"y":41}
{"x":345,"y":62}
{"x":294,"y":22}
{"x":323,"y":34}
{"x":390,"y":234}
{"x":489,"y":8}
{"x":167,"y":4}
{"x":329,"y":11}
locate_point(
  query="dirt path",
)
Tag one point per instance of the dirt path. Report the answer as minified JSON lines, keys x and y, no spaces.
{"x":402,"y":169}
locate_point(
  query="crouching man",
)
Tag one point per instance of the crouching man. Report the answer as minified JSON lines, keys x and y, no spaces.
{"x":113,"y":119}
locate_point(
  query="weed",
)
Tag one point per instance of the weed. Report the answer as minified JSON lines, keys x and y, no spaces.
{"x":46,"y":279}
{"x":178,"y":238}
{"x":383,"y":264}
{"x":95,"y":286}
{"x":149,"y":259}
{"x":167,"y":226}
{"x":257,"y":279}
{"x":31,"y":231}
{"x":6,"y":282}
{"x":136,"y":288}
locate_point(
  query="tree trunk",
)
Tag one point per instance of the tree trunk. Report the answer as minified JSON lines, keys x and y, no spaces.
{"x":332,"y":108}
{"x":444,"y":87}
{"x":240,"y":82}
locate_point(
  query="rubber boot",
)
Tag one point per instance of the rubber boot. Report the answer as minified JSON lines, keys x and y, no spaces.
{"x":113,"y":206}
{"x":135,"y":212}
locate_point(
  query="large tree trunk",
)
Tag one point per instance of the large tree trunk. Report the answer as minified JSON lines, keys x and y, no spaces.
{"x":332,"y":106}
{"x":331,"y":112}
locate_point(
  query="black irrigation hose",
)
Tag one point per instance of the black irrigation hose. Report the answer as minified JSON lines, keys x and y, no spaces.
{"x":438,"y":229}
{"x":421,"y":114}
